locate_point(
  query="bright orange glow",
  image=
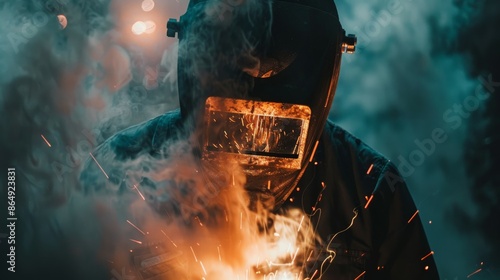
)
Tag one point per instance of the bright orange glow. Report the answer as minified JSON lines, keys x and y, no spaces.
{"x":148,"y":5}
{"x":63,"y":21}
{"x":139,"y":28}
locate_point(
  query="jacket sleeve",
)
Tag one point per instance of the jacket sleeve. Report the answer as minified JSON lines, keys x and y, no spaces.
{"x":404,"y":252}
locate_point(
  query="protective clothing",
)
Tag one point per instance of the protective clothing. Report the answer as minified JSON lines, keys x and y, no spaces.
{"x":347,"y":182}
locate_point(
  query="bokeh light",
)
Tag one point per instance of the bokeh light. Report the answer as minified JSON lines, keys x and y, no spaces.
{"x":147,"y":5}
{"x":139,"y":28}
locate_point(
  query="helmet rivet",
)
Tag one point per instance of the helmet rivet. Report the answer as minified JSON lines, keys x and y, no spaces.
{"x":349,"y":43}
{"x":173,"y":27}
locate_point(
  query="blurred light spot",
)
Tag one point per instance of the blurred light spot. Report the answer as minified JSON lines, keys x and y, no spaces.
{"x":147,"y":5}
{"x":430,"y":222}
{"x":63,"y":21}
{"x":150,"y":27}
{"x":139,"y":27}
{"x":426,"y":267}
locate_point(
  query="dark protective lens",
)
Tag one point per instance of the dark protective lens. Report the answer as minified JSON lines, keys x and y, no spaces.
{"x":254,"y":134}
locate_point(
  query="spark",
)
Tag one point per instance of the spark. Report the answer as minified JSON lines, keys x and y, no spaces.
{"x":368,"y":202}
{"x":199,"y":221}
{"x":310,"y":255}
{"x":136,"y":241}
{"x":100,"y":167}
{"x":136,"y":227}
{"x":269,"y":184}
{"x":426,"y":256}
{"x":203,"y":267}
{"x":43,"y":137}
{"x":314,"y":151}
{"x":241,"y":220}
{"x":477,"y":271}
{"x":314,"y":274}
{"x":361,"y":275}
{"x":369,"y":169}
{"x":225,"y":214}
{"x":218,"y":250}
{"x":195,"y":258}
{"x":413,"y":216}
{"x":169,"y":238}
{"x":300,"y":225}
{"x":426,"y":267}
{"x":138,"y":191}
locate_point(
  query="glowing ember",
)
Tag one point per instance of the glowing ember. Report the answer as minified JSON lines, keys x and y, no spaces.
{"x":412,"y":217}
{"x":369,"y":201}
{"x":426,"y":256}
{"x":361,"y":275}
{"x":369,"y":169}
{"x":148,"y":5}
{"x":130,"y":223}
{"x":477,"y":271}
{"x":139,"y":192}
{"x":63,"y":21}
{"x":139,"y":28}
{"x":48,"y":144}
{"x":100,"y":167}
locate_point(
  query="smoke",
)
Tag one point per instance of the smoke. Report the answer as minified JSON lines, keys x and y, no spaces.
{"x":405,"y":95}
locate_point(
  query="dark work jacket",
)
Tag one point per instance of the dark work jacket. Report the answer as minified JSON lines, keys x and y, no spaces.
{"x":347,"y":182}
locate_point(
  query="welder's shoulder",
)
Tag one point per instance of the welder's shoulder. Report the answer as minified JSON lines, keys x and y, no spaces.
{"x":355,"y":157}
{"x":109,"y":158}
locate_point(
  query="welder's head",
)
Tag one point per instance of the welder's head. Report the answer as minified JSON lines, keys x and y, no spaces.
{"x":258,"y":77}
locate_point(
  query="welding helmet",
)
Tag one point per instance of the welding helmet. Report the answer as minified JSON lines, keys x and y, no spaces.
{"x":258,"y":78}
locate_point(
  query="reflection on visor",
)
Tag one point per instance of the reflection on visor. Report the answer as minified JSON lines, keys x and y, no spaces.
{"x":254,"y":132}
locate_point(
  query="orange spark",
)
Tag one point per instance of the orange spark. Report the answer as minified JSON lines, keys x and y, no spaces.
{"x":314,"y":151}
{"x":136,"y":241}
{"x":199,"y":221}
{"x":203,"y":267}
{"x":477,"y":271}
{"x":369,"y":169}
{"x":369,"y":201}
{"x":409,"y":221}
{"x":43,"y":137}
{"x":361,"y":275}
{"x":99,"y":165}
{"x":426,"y":256}
{"x":138,"y":191}
{"x":169,"y":238}
{"x":195,"y":258}
{"x":136,"y":227}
